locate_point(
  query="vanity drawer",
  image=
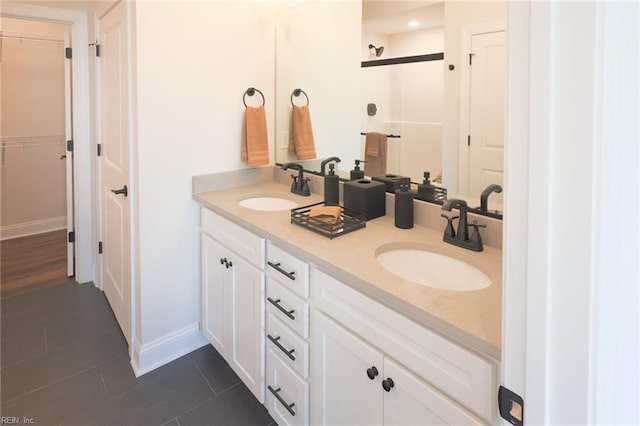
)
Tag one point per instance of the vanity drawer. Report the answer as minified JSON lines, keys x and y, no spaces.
{"x":453,"y":370}
{"x":244,"y":243}
{"x":290,"y":271}
{"x":288,"y":346}
{"x":287,"y":307}
{"x":287,"y":394}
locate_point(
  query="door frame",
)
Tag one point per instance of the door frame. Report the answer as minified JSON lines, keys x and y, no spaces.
{"x":83,"y":197}
{"x":465,"y":96}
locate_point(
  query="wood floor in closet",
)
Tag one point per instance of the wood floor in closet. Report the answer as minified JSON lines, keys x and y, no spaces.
{"x":31,"y":262}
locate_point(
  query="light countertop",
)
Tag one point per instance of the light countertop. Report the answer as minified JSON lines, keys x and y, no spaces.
{"x":471,"y":318}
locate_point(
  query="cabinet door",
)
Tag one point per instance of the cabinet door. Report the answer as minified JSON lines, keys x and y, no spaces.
{"x":215,"y":294}
{"x":341,"y":392}
{"x":248,"y":324}
{"x":413,"y":402}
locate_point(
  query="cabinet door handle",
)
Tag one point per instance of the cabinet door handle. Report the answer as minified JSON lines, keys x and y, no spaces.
{"x":276,"y":266}
{"x":372,"y":372}
{"x":277,"y":304}
{"x":286,"y":351}
{"x":282,"y":401}
{"x":387,"y":384}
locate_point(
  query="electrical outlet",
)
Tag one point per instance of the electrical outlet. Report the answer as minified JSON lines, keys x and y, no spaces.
{"x":283,"y":139}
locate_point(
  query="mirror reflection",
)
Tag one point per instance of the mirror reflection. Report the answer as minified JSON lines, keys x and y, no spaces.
{"x":448,"y":110}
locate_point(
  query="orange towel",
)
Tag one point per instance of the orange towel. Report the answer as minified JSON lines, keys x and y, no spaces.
{"x":375,"y":154}
{"x":254,"y":141}
{"x":301,"y":141}
{"x":327,"y":214}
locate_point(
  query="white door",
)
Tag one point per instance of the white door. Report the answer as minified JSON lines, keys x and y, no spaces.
{"x":68,"y":131}
{"x":412,"y":402}
{"x":346,"y":375}
{"x":114,"y":164}
{"x":486,"y":113}
{"x":247,"y":324}
{"x":215,"y":295}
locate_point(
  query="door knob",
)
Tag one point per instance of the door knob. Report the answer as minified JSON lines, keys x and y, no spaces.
{"x":122,"y":191}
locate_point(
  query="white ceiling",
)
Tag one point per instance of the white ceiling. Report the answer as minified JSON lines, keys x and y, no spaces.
{"x":390,"y":17}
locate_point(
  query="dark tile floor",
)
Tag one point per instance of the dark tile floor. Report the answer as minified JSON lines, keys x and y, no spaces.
{"x":65,"y":362}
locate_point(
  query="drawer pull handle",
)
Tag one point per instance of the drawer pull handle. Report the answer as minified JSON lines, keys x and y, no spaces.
{"x":282,"y":401}
{"x":387,"y":384}
{"x":372,"y":372}
{"x":276,"y":266}
{"x":286,"y":351}
{"x":277,"y":304}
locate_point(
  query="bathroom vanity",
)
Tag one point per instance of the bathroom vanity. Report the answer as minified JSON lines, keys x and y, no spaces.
{"x":323,"y":334}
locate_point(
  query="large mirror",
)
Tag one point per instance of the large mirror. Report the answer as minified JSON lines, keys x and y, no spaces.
{"x":449,"y":115}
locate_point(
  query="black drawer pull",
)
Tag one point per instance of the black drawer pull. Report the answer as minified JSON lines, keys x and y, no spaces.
{"x":286,"y":351}
{"x":277,"y":304}
{"x":387,"y":384}
{"x":276,"y":266}
{"x":282,"y":401}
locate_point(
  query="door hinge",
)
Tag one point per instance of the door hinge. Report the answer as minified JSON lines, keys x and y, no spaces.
{"x":97,"y":50}
{"x":99,"y":247}
{"x":71,"y":237}
{"x":511,"y":406}
{"x":471,"y":58}
{"x":468,"y":140}
{"x":99,"y":149}
{"x":70,"y":145}
{"x":67,"y":53}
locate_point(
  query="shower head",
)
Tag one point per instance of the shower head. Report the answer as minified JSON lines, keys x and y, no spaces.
{"x":378,"y":50}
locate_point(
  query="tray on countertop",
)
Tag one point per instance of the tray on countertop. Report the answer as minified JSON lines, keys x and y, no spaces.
{"x":350,"y":220}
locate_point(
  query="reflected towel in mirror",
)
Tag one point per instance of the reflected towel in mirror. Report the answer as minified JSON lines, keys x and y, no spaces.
{"x":375,"y":154}
{"x":254,"y":149}
{"x":301,"y":141}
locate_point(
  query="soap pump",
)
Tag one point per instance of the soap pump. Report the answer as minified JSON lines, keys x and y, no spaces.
{"x":356,"y":173}
{"x":426,"y":191}
{"x":404,"y":205}
{"x":331,"y":183}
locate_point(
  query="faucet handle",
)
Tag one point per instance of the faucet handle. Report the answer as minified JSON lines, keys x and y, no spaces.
{"x":449,"y":231}
{"x":476,"y":238}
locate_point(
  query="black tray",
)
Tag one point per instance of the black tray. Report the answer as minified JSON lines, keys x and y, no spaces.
{"x":350,"y":220}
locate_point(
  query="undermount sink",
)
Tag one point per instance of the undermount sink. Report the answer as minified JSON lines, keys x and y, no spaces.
{"x":425,"y":267}
{"x":271,"y":204}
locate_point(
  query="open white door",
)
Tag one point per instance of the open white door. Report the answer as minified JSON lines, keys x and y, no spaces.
{"x":486,"y":112}
{"x":68,"y":131}
{"x":114,"y":164}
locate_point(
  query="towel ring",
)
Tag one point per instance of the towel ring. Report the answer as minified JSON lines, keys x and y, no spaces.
{"x":297,"y":92}
{"x":251,"y":91}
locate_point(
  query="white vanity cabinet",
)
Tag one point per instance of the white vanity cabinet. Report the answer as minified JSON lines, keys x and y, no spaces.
{"x":371,"y":365}
{"x":233,"y":297}
{"x":287,"y":397}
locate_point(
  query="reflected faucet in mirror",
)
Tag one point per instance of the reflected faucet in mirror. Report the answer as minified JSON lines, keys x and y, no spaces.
{"x":484,"y":197}
{"x":300,"y":184}
{"x":325,"y":162}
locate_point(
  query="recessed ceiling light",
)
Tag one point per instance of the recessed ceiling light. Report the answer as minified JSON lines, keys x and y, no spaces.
{"x":413,"y":24}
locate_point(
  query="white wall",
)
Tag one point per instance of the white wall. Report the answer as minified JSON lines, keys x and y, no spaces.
{"x":33,"y":128}
{"x":318,"y":46}
{"x":194,"y":62}
{"x":460,"y":16}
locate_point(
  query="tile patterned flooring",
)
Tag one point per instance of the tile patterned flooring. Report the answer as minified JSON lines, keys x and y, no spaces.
{"x":64,"y":362}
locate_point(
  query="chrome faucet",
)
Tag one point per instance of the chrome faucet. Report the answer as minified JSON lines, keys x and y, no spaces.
{"x":300,"y":184}
{"x":460,"y":237}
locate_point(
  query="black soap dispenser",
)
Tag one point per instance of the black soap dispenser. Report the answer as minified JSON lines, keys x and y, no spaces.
{"x":404,"y":205}
{"x":356,"y":173}
{"x":331,"y":182}
{"x":426,"y":191}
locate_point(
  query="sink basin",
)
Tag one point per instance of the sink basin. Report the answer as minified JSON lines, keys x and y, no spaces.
{"x":271,"y":204}
{"x":433,"y":269}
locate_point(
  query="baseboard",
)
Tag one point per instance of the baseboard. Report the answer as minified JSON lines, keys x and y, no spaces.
{"x":149,"y":356}
{"x":31,"y":228}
